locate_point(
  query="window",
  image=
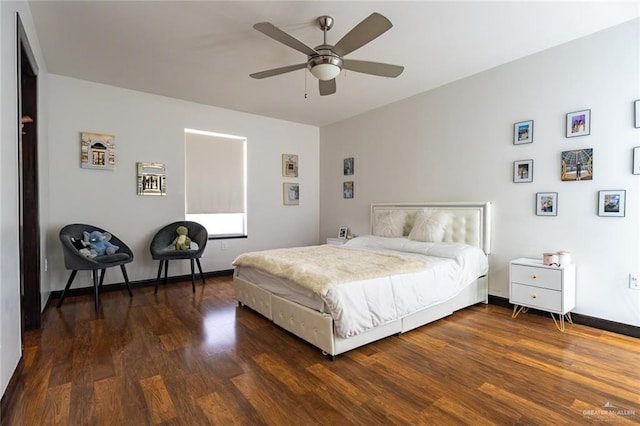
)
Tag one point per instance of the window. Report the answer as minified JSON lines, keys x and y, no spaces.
{"x":216,"y":182}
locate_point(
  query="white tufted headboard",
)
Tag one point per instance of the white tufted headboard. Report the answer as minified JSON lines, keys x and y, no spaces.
{"x":470,"y":221}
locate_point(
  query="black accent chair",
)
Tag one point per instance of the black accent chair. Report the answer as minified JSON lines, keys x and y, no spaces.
{"x":76,"y":261}
{"x":162,"y":249}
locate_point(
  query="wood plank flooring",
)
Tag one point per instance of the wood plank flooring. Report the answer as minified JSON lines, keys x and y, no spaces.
{"x":180,"y":358}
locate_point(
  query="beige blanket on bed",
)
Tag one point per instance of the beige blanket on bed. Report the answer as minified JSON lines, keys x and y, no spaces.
{"x":318,"y":268}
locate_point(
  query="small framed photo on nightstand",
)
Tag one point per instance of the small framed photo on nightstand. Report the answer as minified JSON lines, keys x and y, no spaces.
{"x":343,"y":231}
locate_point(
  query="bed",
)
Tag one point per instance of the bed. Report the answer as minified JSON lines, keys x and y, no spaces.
{"x":420,"y":262}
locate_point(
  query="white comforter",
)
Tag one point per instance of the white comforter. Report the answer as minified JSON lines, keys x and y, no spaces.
{"x":360,"y":305}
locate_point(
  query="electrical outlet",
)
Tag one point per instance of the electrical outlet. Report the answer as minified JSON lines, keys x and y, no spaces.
{"x":633,"y":282}
{"x":223,"y":245}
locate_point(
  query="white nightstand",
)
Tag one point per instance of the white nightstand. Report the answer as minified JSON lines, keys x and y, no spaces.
{"x":533,"y":284}
{"x":336,"y":241}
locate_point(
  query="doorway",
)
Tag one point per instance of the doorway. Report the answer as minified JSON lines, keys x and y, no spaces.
{"x":29,"y":209}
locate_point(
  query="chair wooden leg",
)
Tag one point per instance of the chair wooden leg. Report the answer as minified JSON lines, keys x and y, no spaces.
{"x":158,"y":277}
{"x":126,"y":280}
{"x":66,"y":287}
{"x":102,"y":271}
{"x":166,"y":272}
{"x":94,"y":274}
{"x":193,"y":276}
{"x":200,"y":269}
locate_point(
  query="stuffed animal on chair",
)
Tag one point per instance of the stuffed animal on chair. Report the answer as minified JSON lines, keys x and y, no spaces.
{"x":99,"y":243}
{"x":82,"y":248}
{"x":182,"y":241}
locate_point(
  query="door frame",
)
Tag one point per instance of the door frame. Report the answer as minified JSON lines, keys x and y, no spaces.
{"x":28,"y":188}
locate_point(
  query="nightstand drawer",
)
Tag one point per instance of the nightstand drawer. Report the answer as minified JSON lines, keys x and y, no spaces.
{"x":538,"y":277}
{"x":535,"y":297}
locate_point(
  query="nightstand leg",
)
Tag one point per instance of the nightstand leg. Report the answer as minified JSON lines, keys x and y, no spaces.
{"x":517,"y":309}
{"x":560,"y":322}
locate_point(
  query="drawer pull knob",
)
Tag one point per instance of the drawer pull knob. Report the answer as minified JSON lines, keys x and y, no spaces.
{"x":534,"y":276}
{"x":534,"y":296}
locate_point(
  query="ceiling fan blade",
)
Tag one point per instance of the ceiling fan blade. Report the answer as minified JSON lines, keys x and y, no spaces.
{"x":370,"y":28}
{"x":277,"y":34}
{"x":277,"y":71}
{"x":327,"y":87}
{"x":375,"y":68}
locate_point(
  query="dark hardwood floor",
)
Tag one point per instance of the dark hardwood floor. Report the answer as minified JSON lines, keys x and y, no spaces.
{"x":180,"y":358}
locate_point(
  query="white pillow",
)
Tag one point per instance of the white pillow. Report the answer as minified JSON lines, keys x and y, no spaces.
{"x":389,"y":223}
{"x":429,"y":226}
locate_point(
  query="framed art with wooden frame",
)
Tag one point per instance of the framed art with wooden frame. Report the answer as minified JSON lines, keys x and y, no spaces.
{"x":290,"y":194}
{"x":523,"y":171}
{"x":579,"y":123}
{"x":523,"y":132}
{"x":289,"y":165}
{"x":547,"y":204}
{"x":612,"y":203}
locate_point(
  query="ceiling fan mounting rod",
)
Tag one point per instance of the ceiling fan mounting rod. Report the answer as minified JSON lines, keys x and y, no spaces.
{"x":325,"y":22}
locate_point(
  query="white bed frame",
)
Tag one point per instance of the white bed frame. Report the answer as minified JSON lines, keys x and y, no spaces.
{"x":470,"y":224}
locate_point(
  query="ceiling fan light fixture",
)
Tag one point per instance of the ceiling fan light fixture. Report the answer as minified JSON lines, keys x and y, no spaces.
{"x":325,"y":72}
{"x":325,"y":66}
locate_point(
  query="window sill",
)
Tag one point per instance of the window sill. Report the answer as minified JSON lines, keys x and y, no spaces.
{"x":226,"y":237}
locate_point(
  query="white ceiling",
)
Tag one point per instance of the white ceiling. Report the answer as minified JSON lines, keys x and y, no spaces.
{"x":204,"y":51}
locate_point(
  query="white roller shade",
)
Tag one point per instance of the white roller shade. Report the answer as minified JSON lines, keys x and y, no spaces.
{"x":214,"y":174}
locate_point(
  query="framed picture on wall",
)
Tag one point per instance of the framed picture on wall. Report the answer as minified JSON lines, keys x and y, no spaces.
{"x":636,"y":160}
{"x":547,"y":203}
{"x":523,"y":171}
{"x":152,"y":179}
{"x":523,"y":132}
{"x":291,"y":194}
{"x":348,"y":166}
{"x":577,"y":164}
{"x":579,"y":123}
{"x":97,"y":151}
{"x":347,"y":190}
{"x":636,"y":110}
{"x":612,"y":203}
{"x":289,"y":165}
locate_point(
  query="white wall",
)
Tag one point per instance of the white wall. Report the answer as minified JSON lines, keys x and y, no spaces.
{"x":150,"y":128}
{"x":10,"y":338}
{"x":455,"y":143}
{"x":147,"y":128}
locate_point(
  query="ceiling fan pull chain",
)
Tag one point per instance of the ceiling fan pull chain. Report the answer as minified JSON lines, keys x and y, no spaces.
{"x":305,"y":84}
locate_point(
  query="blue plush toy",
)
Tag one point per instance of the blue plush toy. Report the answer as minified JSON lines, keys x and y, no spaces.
{"x":99,"y":243}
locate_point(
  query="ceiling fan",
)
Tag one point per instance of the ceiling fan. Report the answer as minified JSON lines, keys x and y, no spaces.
{"x":326,"y":61}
